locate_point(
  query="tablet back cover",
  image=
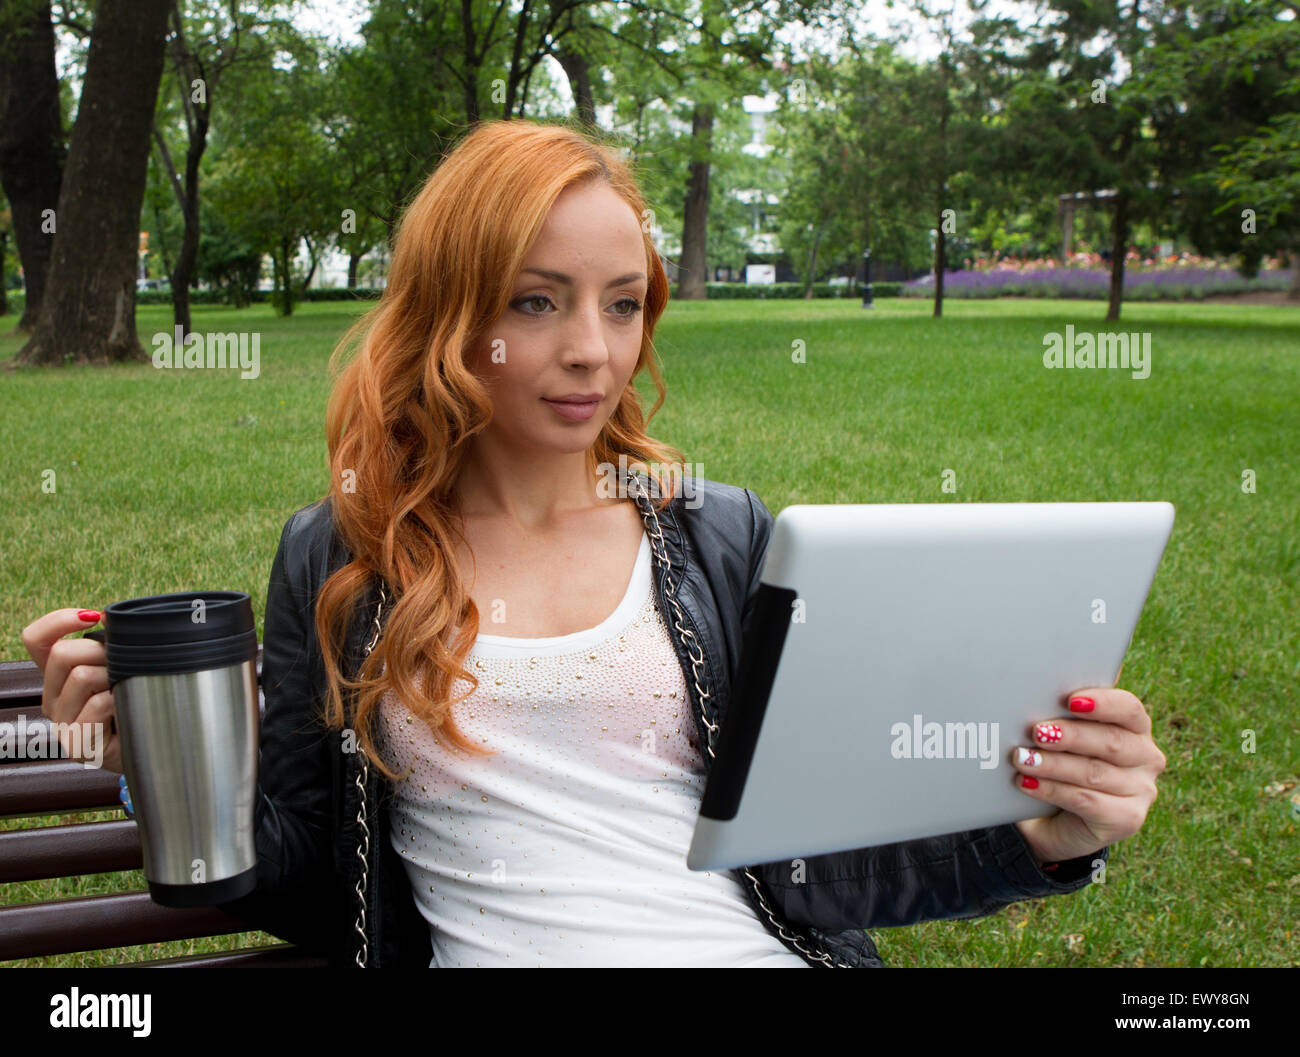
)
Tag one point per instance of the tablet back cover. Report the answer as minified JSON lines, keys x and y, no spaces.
{"x":899,"y":653}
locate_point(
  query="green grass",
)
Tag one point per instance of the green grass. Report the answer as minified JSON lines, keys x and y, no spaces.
{"x":172,"y":481}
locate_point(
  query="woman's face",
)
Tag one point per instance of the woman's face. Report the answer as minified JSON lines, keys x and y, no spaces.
{"x":572,"y":327}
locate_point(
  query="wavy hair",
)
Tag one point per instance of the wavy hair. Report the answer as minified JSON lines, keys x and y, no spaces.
{"x":402,"y":411}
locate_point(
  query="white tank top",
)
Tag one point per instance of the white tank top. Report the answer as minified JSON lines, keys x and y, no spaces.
{"x":568,"y":846}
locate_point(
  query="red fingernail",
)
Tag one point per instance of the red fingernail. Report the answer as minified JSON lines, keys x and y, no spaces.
{"x":91,"y":615}
{"x":1027,"y":782}
{"x":1082,"y":704}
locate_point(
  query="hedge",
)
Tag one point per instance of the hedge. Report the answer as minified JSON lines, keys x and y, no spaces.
{"x":714,"y":292}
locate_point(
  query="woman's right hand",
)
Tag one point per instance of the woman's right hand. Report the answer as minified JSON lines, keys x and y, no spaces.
{"x":76,"y":684}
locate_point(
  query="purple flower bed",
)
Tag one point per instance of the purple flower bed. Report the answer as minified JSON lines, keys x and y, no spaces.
{"x":1175,"y":284}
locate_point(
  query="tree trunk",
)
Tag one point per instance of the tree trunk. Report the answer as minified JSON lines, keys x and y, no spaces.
{"x":940,"y":259}
{"x":31,"y":142}
{"x":187,"y":261}
{"x":1118,"y":251}
{"x":284,"y":266}
{"x":197,"y":118}
{"x":695,"y":223}
{"x":812,"y":261}
{"x":940,"y":242}
{"x":88,"y":311}
{"x":940,"y":264}
{"x":354,"y":259}
{"x":187,"y":197}
{"x":162,"y":242}
{"x":471,"y":55}
{"x":578,"y":71}
{"x":1293,"y":294}
{"x":314,"y":258}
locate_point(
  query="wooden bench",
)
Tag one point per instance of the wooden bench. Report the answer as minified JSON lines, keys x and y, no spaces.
{"x":33,"y":788}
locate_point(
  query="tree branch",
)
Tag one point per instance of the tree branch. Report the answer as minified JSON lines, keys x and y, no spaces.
{"x":169,"y":167}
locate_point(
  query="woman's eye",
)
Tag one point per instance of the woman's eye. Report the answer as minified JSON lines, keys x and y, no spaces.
{"x":630,"y":305}
{"x":532,"y":300}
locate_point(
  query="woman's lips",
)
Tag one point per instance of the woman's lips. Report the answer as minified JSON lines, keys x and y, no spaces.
{"x":574,"y":412}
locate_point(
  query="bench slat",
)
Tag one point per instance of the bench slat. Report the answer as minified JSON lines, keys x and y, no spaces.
{"x":21,"y":681}
{"x":69,"y":851}
{"x":92,"y":923}
{"x":30,"y":708}
{"x":47,"y":787}
{"x":278,"y":956}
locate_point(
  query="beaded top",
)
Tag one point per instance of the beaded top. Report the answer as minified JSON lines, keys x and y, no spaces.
{"x":567,"y":846}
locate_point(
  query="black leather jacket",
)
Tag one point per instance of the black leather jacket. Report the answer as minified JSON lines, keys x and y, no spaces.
{"x":313,"y":855}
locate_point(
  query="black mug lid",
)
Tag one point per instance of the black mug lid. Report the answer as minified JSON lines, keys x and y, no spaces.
{"x":157,"y":619}
{"x":159,"y":634}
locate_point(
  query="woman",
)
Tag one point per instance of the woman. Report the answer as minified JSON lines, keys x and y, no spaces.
{"x":524,"y":649}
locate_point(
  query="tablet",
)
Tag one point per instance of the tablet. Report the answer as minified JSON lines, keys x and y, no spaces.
{"x":895,"y":657}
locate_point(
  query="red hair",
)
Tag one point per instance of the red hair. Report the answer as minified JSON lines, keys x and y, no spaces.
{"x":402,"y":411}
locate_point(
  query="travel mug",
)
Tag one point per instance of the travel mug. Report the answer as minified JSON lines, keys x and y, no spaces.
{"x":183,"y":671}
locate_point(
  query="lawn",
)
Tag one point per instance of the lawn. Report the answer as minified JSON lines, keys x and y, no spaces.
{"x":176,"y":480}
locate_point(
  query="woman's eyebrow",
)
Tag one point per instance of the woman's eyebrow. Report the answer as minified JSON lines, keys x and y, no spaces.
{"x":560,"y":277}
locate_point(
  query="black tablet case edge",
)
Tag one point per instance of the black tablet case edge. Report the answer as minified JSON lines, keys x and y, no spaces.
{"x":760,"y":656}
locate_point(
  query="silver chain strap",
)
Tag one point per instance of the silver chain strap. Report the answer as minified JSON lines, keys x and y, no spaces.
{"x":651,"y":519}
{"x":363,"y":777}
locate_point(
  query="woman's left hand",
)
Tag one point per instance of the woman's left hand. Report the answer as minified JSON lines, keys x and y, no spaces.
{"x":1100,"y":767}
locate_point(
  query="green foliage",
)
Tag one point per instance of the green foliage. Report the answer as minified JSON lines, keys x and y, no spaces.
{"x":273,"y":177}
{"x":858,"y":142}
{"x":223,"y":296}
{"x":1225,"y":93}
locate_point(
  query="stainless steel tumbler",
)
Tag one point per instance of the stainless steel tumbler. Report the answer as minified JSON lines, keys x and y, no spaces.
{"x":182,"y":668}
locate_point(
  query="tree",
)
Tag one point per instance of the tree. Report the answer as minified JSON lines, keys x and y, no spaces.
{"x":1011,"y":201}
{"x":31,"y":138}
{"x":390,"y":114}
{"x":953,"y":109}
{"x":940,"y":154}
{"x":575,"y":58}
{"x":1227,"y":120}
{"x":1103,"y":113}
{"x":227,"y":261}
{"x":276,"y":183}
{"x":201,"y":47}
{"x":856,"y":153}
{"x":713,"y":76}
{"x":88,"y":310}
{"x":1259,"y":177}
